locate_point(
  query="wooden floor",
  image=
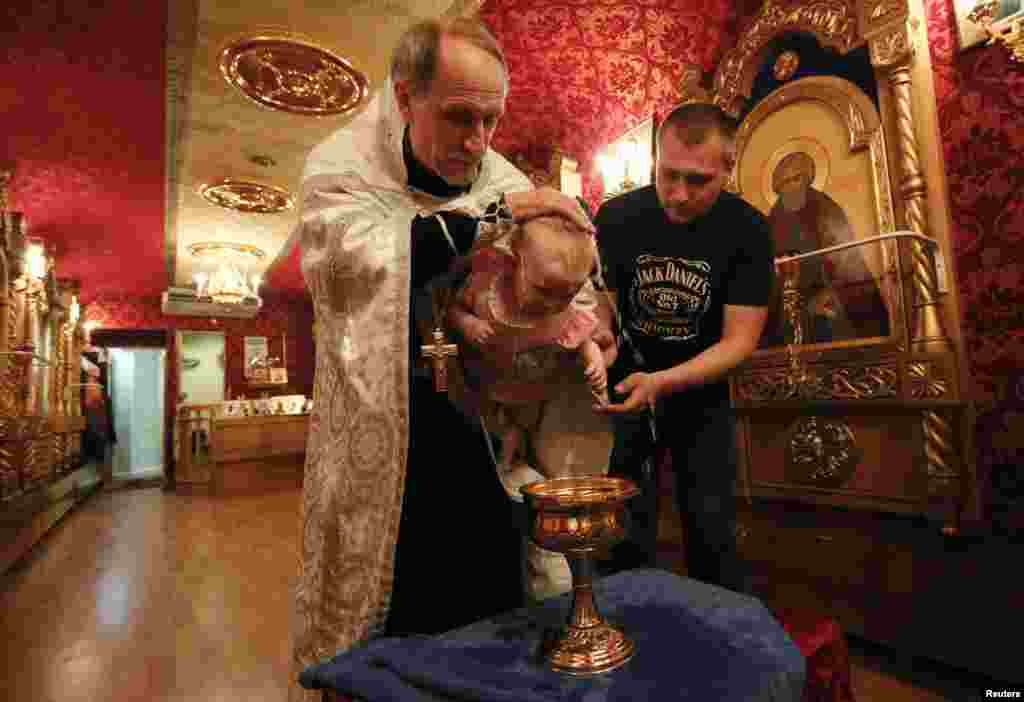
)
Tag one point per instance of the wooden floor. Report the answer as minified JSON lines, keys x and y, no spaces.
{"x":146,"y":595}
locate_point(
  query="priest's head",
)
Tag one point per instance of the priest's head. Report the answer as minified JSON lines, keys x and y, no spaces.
{"x":450,"y":80}
{"x":696,"y":152}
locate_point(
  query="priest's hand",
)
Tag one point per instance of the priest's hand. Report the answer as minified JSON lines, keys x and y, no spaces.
{"x":528,"y":204}
{"x":642,"y":391}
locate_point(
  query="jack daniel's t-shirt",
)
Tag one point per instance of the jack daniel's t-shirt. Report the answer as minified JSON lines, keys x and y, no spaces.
{"x":673,"y":280}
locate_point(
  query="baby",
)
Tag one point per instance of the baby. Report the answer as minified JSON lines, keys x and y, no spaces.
{"x":530,"y":314}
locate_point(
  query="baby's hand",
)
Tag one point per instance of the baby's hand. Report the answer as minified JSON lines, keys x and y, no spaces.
{"x":477,"y":330}
{"x":597,"y":376}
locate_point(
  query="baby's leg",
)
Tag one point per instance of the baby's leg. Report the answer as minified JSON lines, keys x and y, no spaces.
{"x":513,"y":469}
{"x":547,"y":573}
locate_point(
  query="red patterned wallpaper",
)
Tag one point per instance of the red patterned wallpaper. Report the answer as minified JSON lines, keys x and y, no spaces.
{"x":585,"y":72}
{"x":980,"y":95}
{"x":285,"y":273}
{"x":82,"y":99}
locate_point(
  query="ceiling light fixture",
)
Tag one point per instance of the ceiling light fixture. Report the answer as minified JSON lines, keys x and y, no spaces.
{"x":246,"y":196}
{"x":228,"y":282}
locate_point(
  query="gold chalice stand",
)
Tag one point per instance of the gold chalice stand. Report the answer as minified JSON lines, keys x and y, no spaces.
{"x":581,"y":517}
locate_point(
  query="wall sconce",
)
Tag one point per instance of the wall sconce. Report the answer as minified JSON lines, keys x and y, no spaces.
{"x":35,"y":259}
{"x":626,"y":163}
{"x":75,"y":312}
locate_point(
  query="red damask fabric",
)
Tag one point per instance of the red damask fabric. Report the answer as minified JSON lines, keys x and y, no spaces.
{"x":980,"y":96}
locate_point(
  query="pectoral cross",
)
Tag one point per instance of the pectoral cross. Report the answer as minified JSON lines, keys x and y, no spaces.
{"x":438,"y":353}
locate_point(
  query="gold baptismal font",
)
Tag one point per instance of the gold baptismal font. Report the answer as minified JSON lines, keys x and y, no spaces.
{"x":582,"y":517}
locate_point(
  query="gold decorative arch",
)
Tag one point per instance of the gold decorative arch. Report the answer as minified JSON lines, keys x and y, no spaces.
{"x":833,"y":22}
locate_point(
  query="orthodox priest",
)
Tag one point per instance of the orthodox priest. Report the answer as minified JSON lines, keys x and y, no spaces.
{"x":405,"y":526}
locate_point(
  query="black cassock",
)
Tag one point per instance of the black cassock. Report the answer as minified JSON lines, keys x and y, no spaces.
{"x":458,"y":557}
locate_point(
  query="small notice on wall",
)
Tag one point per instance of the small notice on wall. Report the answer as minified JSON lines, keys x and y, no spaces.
{"x":256,"y":351}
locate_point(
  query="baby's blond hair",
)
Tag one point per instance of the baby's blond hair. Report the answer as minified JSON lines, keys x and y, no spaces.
{"x":560,"y":238}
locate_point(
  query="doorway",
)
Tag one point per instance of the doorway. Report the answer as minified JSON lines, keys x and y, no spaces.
{"x":137,"y":394}
{"x":201,"y":368}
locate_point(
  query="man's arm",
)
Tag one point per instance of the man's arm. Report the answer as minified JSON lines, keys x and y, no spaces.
{"x":741,"y":329}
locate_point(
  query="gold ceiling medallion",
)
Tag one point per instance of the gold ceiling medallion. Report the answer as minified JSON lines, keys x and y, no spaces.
{"x":786,"y":65}
{"x":293,"y":76}
{"x":246,"y":196}
{"x":220,"y":249}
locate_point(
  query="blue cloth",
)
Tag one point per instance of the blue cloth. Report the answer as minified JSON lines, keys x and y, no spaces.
{"x":693,"y":642}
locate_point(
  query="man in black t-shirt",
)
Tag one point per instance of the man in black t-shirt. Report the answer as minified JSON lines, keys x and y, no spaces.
{"x":692,"y":267}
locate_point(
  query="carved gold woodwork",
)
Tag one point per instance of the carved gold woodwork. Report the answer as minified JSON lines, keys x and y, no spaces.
{"x":834,"y":23}
{"x":927,"y":380}
{"x":5,"y":180}
{"x":690,"y":88}
{"x":889,"y":53}
{"x":834,"y":383}
{"x":36,"y":442}
{"x":1008,"y":31}
{"x":823,"y":451}
{"x":916,"y":368}
{"x":786,"y":65}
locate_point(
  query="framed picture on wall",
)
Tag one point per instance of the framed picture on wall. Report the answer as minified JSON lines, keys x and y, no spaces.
{"x":279,"y":375}
{"x":256,"y":350}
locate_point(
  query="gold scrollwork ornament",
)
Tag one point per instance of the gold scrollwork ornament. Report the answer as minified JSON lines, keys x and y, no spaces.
{"x":891,"y":49}
{"x":823,"y":451}
{"x":786,"y":65}
{"x":924,"y":381}
{"x":829,"y":20}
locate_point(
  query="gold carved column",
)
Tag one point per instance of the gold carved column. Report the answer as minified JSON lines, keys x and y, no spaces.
{"x":892,"y":53}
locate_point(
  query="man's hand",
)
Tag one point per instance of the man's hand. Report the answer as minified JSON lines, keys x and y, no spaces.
{"x":528,"y":204}
{"x":641,"y":390}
